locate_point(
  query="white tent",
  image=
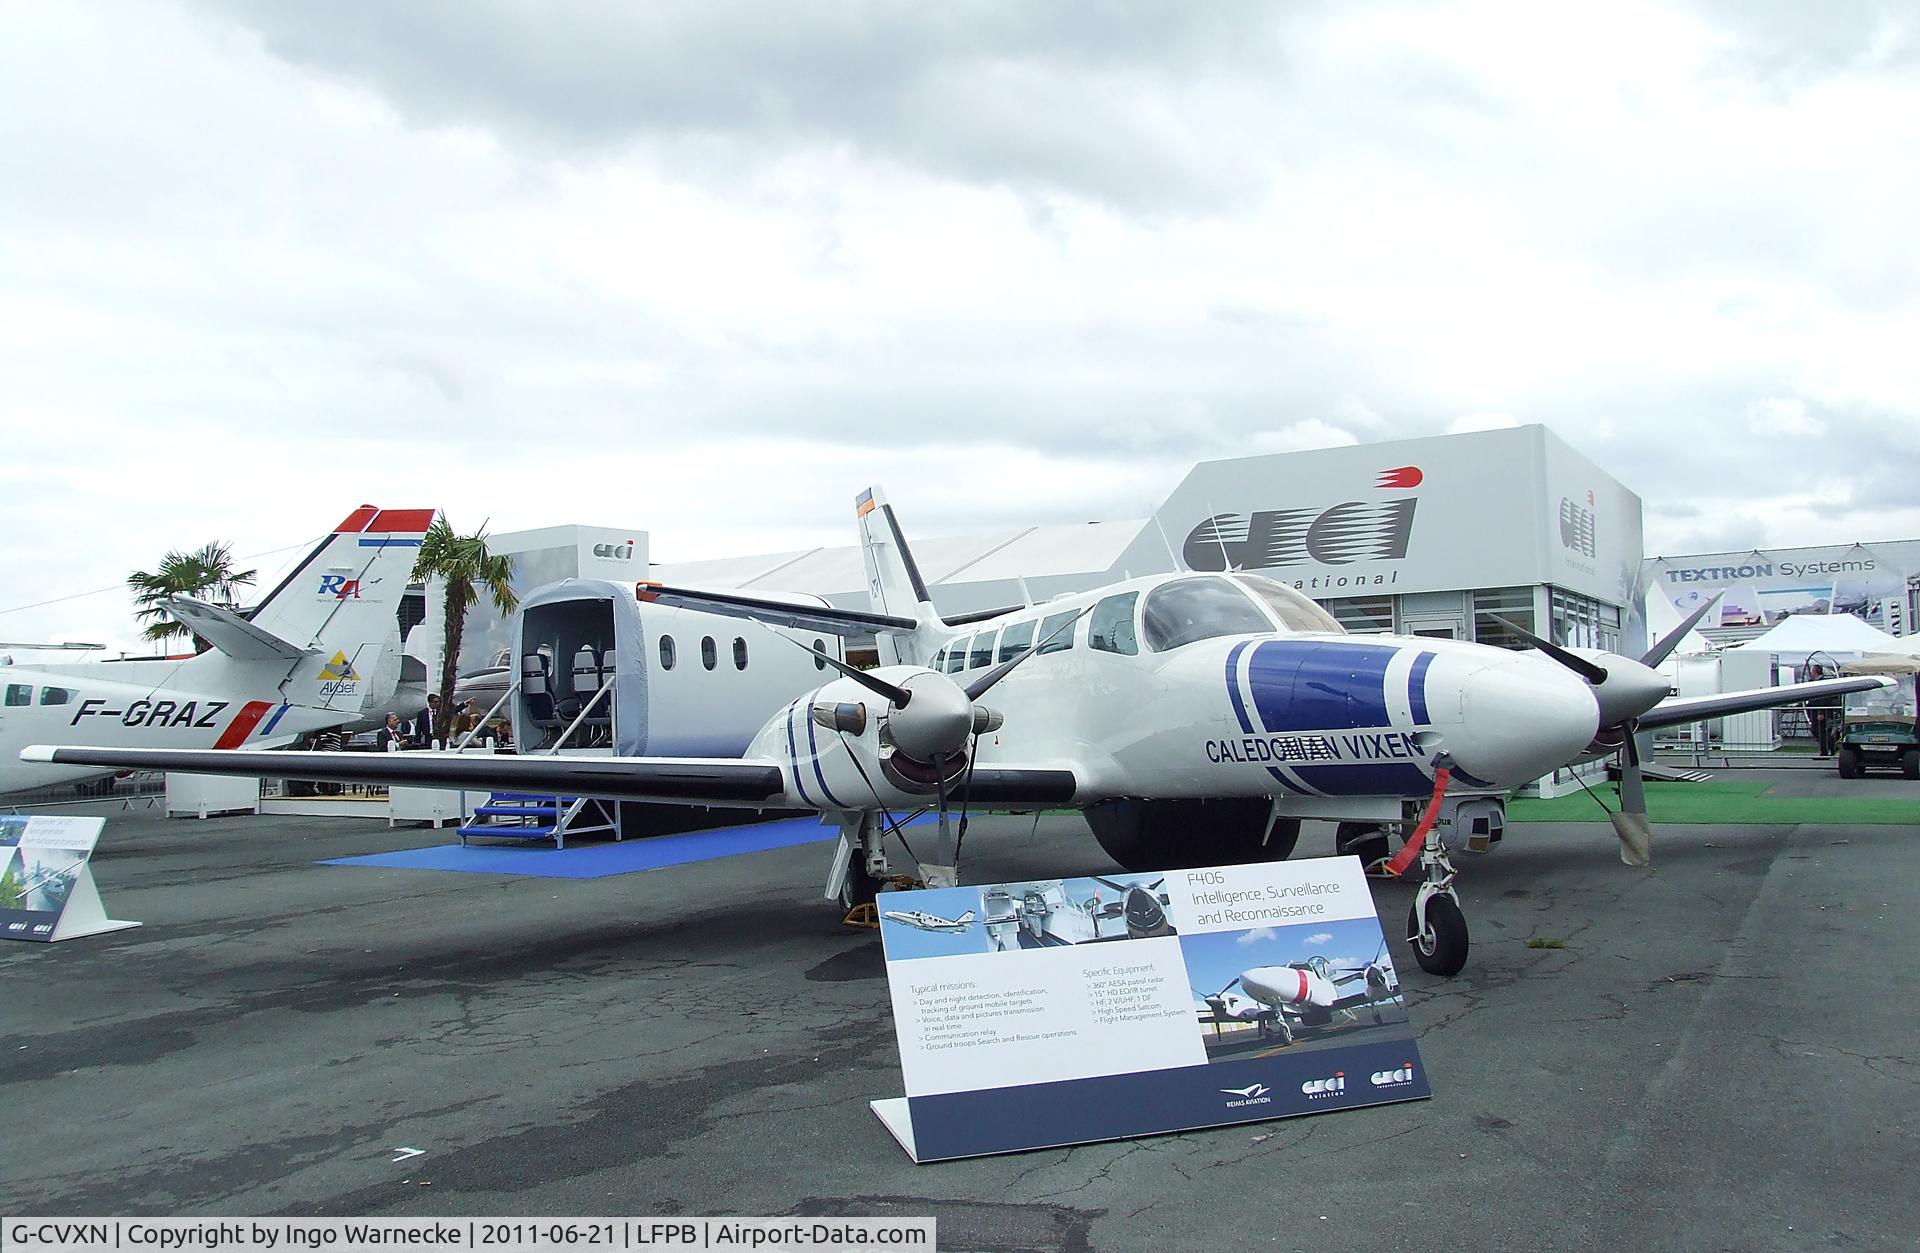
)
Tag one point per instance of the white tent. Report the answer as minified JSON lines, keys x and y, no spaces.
{"x":1839,"y":635}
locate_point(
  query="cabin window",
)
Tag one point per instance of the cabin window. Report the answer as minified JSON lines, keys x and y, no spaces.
{"x":55,"y":695}
{"x":709,"y":652}
{"x":666,"y":652}
{"x":739,"y":653}
{"x":1294,"y":608}
{"x":1057,"y":631}
{"x":819,"y":649}
{"x":19,"y":694}
{"x":939,"y":662}
{"x":1110,"y":625}
{"x":1015,"y":640}
{"x":982,"y":654}
{"x":1187,"y":610}
{"x":956,"y":656}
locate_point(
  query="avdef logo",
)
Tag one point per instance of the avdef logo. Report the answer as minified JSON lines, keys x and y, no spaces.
{"x":1397,"y":1078}
{"x":1326,"y":1087}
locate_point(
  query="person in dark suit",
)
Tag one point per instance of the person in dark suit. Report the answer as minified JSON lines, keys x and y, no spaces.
{"x":424,"y":721}
{"x":391,"y":734}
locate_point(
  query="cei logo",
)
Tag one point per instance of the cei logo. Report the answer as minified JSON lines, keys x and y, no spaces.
{"x":1577,"y":526}
{"x":1326,"y":1087}
{"x":618,"y":552}
{"x":1398,"y":1078}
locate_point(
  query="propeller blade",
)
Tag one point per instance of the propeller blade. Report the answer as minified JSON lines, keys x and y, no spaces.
{"x":1118,"y":887}
{"x":1630,"y":822}
{"x":896,"y":696}
{"x":1593,"y":674}
{"x":1671,"y":640}
{"x":978,"y":688}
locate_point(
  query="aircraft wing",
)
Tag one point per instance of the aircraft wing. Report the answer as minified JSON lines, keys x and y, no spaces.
{"x":229,"y":632}
{"x":778,"y":612}
{"x":746,"y":783}
{"x":1673,"y":713}
{"x":714,"y":781}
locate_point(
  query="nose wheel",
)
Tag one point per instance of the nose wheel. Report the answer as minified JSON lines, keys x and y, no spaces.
{"x":1438,"y":931}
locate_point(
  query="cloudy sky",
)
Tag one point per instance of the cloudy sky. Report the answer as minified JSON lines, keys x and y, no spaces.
{"x":709,"y":268}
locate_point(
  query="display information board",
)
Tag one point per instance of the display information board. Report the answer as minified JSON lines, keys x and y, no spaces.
{"x":1065,"y":1011}
{"x":46,"y":886}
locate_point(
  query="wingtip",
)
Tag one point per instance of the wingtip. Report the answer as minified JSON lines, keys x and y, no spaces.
{"x":37,"y":752}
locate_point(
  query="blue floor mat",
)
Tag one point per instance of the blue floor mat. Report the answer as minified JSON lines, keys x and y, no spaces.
{"x":598,"y":860}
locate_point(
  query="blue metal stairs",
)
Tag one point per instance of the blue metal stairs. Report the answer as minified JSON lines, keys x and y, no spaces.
{"x":534,"y":816}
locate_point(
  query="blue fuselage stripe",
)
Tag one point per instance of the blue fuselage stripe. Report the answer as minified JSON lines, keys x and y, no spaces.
{"x":820,"y":775}
{"x":1233,"y":686}
{"x":793,"y":755}
{"x":1301,"y":685}
{"x":1417,"y":688}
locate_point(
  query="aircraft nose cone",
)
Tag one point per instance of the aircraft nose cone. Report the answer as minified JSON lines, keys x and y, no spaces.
{"x":1520,"y":717}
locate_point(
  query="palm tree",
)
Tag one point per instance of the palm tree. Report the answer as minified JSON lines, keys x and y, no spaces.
{"x":463,"y":564}
{"x":207,"y":570}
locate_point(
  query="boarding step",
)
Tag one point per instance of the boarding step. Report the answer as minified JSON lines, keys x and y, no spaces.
{"x":538,"y":816}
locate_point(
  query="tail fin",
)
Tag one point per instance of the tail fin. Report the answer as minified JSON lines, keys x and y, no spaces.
{"x":966,"y":919}
{"x":341,"y":605}
{"x":894,"y":582}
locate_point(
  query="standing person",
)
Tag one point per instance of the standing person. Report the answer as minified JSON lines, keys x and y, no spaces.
{"x":425,"y":721}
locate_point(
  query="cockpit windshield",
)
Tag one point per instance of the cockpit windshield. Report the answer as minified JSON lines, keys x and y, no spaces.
{"x":1290,"y":606}
{"x":1201,"y":608}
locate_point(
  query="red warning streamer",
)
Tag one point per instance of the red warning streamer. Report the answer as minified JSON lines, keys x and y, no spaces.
{"x":1411,"y":849}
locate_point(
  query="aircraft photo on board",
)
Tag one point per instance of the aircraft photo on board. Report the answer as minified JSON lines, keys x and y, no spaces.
{"x":1194,"y":719}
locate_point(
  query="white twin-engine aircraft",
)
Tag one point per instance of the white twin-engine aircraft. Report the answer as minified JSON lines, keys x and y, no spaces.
{"x":1194,"y":718}
{"x":322,"y":650}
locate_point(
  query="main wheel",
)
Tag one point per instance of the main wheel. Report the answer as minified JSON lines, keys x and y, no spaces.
{"x":860,"y":888}
{"x":1910,"y":763}
{"x":1441,"y":949}
{"x":1849,"y":762}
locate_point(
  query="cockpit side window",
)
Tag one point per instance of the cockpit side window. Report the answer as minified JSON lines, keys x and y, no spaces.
{"x":55,"y":696}
{"x":19,"y":694}
{"x":1188,"y":610}
{"x":1110,"y":626}
{"x":1290,"y":606}
{"x":1056,"y":632}
{"x":1016,"y":639}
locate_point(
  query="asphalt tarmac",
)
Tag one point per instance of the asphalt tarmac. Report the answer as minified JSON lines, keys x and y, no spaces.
{"x":1722,"y":1056}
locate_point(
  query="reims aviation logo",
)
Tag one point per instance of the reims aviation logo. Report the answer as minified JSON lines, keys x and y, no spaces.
{"x":1354,"y":530}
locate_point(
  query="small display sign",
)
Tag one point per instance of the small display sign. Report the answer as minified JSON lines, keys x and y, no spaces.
{"x":47,"y":891}
{"x":1065,"y":1011}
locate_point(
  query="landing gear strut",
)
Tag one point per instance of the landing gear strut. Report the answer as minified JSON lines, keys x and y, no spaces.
{"x":859,"y":868}
{"x":1435,"y":926}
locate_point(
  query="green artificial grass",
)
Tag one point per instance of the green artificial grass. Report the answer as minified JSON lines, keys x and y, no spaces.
{"x":1722,"y":803}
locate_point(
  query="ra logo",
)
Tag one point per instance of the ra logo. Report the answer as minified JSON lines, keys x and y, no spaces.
{"x":340,"y":587}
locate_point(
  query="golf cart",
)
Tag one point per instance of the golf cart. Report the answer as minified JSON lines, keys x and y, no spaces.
{"x":1879,"y":728}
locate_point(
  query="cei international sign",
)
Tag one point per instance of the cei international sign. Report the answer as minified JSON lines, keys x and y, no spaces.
{"x":1066,"y":1011}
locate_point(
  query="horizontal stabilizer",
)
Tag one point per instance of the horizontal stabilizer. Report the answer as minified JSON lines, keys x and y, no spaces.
{"x":229,"y":632}
{"x":778,"y":612}
{"x":1675,"y":713}
{"x":716,"y":781}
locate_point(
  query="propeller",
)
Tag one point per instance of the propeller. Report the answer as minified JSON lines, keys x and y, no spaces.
{"x":1624,"y":691}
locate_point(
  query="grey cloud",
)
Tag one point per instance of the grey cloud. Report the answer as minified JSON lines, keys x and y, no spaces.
{"x":1081,"y":98}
